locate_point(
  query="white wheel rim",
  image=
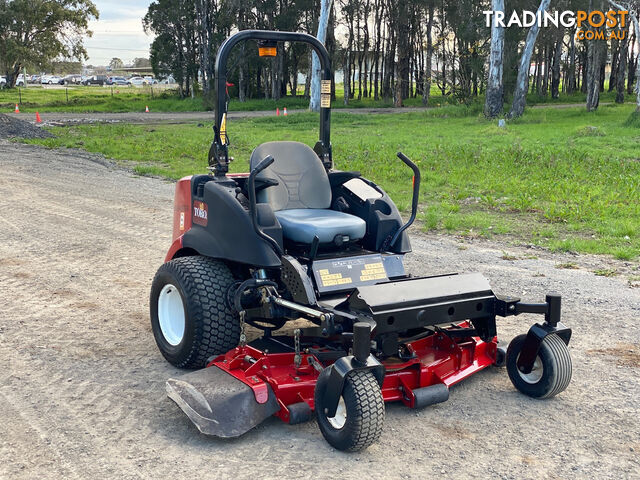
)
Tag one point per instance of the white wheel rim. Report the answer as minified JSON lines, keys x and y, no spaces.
{"x":340,"y":418}
{"x":171,"y":315}
{"x":535,"y":375}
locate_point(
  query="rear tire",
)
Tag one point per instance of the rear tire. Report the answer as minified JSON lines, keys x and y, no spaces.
{"x":360,"y":417}
{"x":190,"y":317}
{"x":551,"y":372}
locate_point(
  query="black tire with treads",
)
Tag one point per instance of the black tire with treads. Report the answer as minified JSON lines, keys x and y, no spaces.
{"x":364,"y":411}
{"x":556,"y":367}
{"x":211,"y":326}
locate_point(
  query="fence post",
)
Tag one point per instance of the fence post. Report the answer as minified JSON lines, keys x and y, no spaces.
{"x":19,"y":95}
{"x":66,"y":91}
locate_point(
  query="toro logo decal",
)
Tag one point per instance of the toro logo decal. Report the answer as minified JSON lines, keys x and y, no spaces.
{"x":200,"y":213}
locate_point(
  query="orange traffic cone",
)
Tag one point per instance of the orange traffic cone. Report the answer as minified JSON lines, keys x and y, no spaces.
{"x":38,"y":119}
{"x":285,"y":111}
{"x":146,"y":109}
{"x":277,"y":111}
{"x":17,"y":110}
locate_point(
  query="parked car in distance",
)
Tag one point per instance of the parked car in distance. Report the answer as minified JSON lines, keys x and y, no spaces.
{"x":150,"y":80}
{"x":3,"y":81}
{"x":34,"y":79}
{"x":50,"y":80}
{"x":96,"y":80}
{"x":20,"y":81}
{"x":73,"y":79}
{"x":168,"y":80}
{"x":137,"y":81}
{"x":117,"y":81}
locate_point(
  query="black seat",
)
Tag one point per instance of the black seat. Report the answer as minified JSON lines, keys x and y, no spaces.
{"x":302,"y":199}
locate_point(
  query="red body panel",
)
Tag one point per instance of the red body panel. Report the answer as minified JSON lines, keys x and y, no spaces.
{"x":438,"y":359}
{"x":182,"y":215}
{"x":182,"y":208}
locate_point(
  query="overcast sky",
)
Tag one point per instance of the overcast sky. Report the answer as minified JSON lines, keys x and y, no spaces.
{"x":118,"y":32}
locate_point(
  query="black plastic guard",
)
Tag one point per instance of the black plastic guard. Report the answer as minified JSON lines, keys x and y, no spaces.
{"x":218,"y":403}
{"x":339,"y":370}
{"x":535,"y":336}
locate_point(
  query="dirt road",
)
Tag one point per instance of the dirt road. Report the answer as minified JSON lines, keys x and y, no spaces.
{"x":63,"y":118}
{"x":82,"y":382}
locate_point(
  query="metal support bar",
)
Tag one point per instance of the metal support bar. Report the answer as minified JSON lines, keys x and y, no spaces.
{"x":218,"y":153}
{"x":300,"y":308}
{"x":551,"y":309}
{"x":361,"y":341}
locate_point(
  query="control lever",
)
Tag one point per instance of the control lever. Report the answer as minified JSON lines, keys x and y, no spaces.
{"x":253,"y":209}
{"x":414,"y":200}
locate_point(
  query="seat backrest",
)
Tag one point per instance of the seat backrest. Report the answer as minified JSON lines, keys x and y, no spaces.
{"x":303,"y":180}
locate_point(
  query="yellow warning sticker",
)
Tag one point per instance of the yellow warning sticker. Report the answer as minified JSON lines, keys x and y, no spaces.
{"x":326,"y":87}
{"x":325,"y":100}
{"x":332,"y":279}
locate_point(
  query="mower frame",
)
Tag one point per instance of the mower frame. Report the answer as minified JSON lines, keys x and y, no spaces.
{"x":417,"y":336}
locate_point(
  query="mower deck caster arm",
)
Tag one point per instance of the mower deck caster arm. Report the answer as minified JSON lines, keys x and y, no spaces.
{"x":551,"y":308}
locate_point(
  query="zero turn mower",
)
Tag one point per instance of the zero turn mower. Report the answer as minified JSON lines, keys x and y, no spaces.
{"x":295,"y":239}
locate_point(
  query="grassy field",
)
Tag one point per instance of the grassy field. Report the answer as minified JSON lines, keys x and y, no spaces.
{"x":560,"y":178}
{"x":159,"y":99}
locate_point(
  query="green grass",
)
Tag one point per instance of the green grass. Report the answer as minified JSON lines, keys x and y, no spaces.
{"x":544,"y":179}
{"x":96,"y":99}
{"x":79,"y":99}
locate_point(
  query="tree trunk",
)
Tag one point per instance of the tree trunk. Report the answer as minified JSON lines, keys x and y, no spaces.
{"x":615,"y":58}
{"x":555,"y":74}
{"x":323,"y":22}
{"x":622,"y":67}
{"x":594,"y":61}
{"x":346,"y":76}
{"x":494,"y":98}
{"x":426,"y":89}
{"x":520,"y":94}
{"x":571,"y":80}
{"x":631,"y":68}
{"x":404,"y":54}
{"x":547,"y":65}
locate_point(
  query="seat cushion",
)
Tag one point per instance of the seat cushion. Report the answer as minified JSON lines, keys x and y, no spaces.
{"x":302,"y":224}
{"x":302,"y":178}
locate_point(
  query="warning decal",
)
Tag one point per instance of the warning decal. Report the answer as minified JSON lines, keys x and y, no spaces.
{"x":347,"y":273}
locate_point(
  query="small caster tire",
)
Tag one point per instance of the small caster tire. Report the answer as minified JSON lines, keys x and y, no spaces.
{"x":551,"y":371}
{"x":360,"y":416}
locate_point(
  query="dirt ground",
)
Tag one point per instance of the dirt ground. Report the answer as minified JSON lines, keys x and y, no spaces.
{"x":82,"y":382}
{"x":64,"y":118}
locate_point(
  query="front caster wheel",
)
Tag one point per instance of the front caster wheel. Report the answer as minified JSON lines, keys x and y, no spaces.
{"x":360,"y":415}
{"x":551,"y":372}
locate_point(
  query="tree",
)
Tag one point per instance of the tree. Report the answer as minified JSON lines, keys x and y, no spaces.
{"x":596,"y":56}
{"x":38,"y":31}
{"x":426,"y":88}
{"x":520,"y":93}
{"x":636,"y":27}
{"x":494,"y":96}
{"x":174,"y":50}
{"x":116,"y":63}
{"x":140,"y":62}
{"x":323,"y":22}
